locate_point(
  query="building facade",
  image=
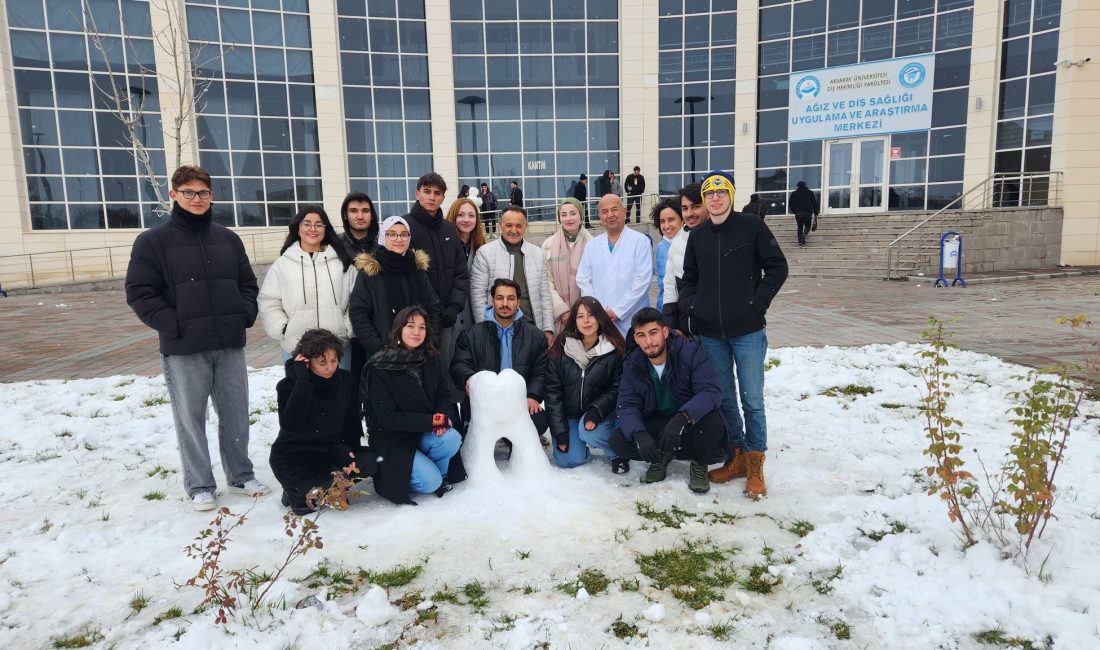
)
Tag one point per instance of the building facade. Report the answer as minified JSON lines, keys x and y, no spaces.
{"x":296,"y":102}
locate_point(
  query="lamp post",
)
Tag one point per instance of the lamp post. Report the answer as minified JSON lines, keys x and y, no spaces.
{"x":472,"y":101}
{"x":691,"y":101}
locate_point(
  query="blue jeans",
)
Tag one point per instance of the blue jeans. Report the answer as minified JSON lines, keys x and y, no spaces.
{"x":345,"y":357}
{"x":432,"y":458}
{"x":745,"y":355}
{"x":579,"y":442}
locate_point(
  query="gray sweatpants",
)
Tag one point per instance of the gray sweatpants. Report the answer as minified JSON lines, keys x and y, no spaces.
{"x":192,"y":379}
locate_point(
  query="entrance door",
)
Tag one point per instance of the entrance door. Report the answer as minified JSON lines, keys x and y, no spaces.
{"x":855,"y":175}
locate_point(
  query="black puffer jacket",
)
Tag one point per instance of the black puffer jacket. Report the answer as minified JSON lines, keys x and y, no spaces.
{"x":732,"y":271}
{"x":371,"y":308}
{"x":571,"y":391}
{"x":448,"y":272}
{"x":478,"y":349}
{"x":191,"y":281}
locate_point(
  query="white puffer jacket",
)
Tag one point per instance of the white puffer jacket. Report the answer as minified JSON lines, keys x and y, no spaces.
{"x":493,"y":261}
{"x":302,"y":292}
{"x":674,"y":268}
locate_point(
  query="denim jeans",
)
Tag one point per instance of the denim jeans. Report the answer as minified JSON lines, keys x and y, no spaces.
{"x":192,"y":379}
{"x":432,"y":458}
{"x":579,"y":442}
{"x":745,"y":355}
{"x":345,"y":357}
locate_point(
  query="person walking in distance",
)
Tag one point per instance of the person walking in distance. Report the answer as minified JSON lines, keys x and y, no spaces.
{"x":635,"y":188}
{"x":190,"y":280}
{"x":804,"y":206}
{"x":580,"y":193}
{"x":517,"y":194}
{"x":489,"y":214}
{"x":728,"y":316}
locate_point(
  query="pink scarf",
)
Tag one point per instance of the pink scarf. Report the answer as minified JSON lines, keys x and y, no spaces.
{"x":564,"y":262}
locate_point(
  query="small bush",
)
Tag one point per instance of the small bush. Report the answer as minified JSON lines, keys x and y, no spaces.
{"x":593,"y":580}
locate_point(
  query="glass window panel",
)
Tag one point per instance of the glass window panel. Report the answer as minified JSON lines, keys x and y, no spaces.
{"x":386,"y":69}
{"x":697,"y":31}
{"x":809,"y":17}
{"x":670,"y":33}
{"x":1044,"y":51}
{"x":810,"y":175}
{"x":806,"y":153}
{"x":504,"y":136}
{"x":948,"y":141}
{"x":1013,"y":94}
{"x":877,"y":43}
{"x":307,"y":164}
{"x":775,"y":57}
{"x":275,"y":134}
{"x":945,"y":169}
{"x":45,"y":188}
{"x":414,"y":70}
{"x":278,"y":164}
{"x":473,"y":166}
{"x":506,"y":165}
{"x":669,"y":132}
{"x":355,"y":68}
{"x":473,"y":137}
{"x":34,"y":88}
{"x":723,"y":62}
{"x":775,"y":22}
{"x":808,"y":53}
{"x":502,"y":38}
{"x":414,"y":38}
{"x":63,"y":14}
{"x":954,"y":29}
{"x":571,"y":136}
{"x":537,"y":70}
{"x":1014,"y":58}
{"x":771,"y":126}
{"x":538,"y":136}
{"x":417,"y":105}
{"x":949,"y":107}
{"x":534,"y":9}
{"x":273,"y":99}
{"x":603,"y":9}
{"x":353,"y":34}
{"x":213,"y":132}
{"x":569,"y":70}
{"x":568,"y":9}
{"x":913,"y":37}
{"x":270,"y":65}
{"x":77,"y":129}
{"x":77,"y":161}
{"x":940,"y":196}
{"x":603,"y":102}
{"x":723,"y":29}
{"x":1010,"y":135}
{"x":123,"y":216}
{"x":952,"y":69}
{"x":773,"y":92}
{"x":538,"y":104}
{"x":1039,"y":131}
{"x":603,"y":134}
{"x":296,"y":29}
{"x":390,"y":137}
{"x":238,"y":63}
{"x":503,"y":71}
{"x":120,"y":189}
{"x":468,"y":38}
{"x":117,"y":161}
{"x":268,"y":28}
{"x":603,"y":37}
{"x":279,"y":189}
{"x":1041,"y":96}
{"x":466,"y":10}
{"x":771,"y":180}
{"x":843,"y":13}
{"x":1017,"y":17}
{"x":31,"y":50}
{"x":304,"y":135}
{"x":469,"y":72}
{"x":1009,"y":162}
{"x":910,"y":8}
{"x":535,"y":38}
{"x":906,"y":198}
{"x":721,"y":157}
{"x":111,"y":132}
{"x":569,"y":37}
{"x":500,"y":10}
{"x":603,"y":71}
{"x":26,"y":14}
{"x":299,"y":66}
{"x":907,"y":171}
{"x":696,"y":65}
{"x":877,"y":11}
{"x":911,"y":144}
{"x":359,"y":165}
{"x":49,"y":216}
{"x":771,"y":155}
{"x":87,"y":216}
{"x":1047,"y":13}
{"x":721,"y":130}
{"x":843,"y":47}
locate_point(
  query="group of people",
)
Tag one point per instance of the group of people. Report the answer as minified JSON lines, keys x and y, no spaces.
{"x":386,"y":322}
{"x":609,"y":184}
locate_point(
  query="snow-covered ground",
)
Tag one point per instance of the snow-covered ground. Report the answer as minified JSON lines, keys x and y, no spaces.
{"x":94,"y":521}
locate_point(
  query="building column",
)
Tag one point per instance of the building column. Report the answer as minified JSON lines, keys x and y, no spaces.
{"x":13,"y":186}
{"x":324,"y":36}
{"x":638,"y":97}
{"x":173,"y":75}
{"x":441,"y":78}
{"x":981,"y":120}
{"x":1077,"y":129}
{"x":745,"y":102}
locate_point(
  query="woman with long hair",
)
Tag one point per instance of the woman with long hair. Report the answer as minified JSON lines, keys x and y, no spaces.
{"x":319,"y":423}
{"x":393,"y":278}
{"x":407,"y":399}
{"x":668,"y":221}
{"x":563,"y":251}
{"x":466,"y":217}
{"x":582,"y":385}
{"x":309,"y":285}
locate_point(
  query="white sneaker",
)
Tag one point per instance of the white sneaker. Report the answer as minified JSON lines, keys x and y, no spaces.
{"x":252,"y":488}
{"x":203,"y":501}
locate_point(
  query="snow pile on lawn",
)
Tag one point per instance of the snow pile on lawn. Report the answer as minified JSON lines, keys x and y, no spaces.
{"x":846,"y":546}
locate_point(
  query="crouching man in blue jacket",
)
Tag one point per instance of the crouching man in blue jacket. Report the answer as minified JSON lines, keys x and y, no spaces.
{"x":669,"y":402}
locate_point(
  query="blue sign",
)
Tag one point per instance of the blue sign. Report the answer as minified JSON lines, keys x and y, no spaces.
{"x":912,"y":75}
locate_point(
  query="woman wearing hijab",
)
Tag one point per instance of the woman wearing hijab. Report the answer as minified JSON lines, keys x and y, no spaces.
{"x":563,"y":251}
{"x":309,"y":285}
{"x":394,"y":278}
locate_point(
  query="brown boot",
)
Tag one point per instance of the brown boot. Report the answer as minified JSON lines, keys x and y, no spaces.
{"x":754,"y":485}
{"x":736,"y":467}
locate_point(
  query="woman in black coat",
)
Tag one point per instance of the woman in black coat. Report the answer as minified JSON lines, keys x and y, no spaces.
{"x":392,"y":279}
{"x":582,"y":385}
{"x":407,"y":398}
{"x":319,"y":424}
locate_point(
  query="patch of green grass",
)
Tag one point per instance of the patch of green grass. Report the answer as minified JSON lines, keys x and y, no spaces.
{"x":523,"y":555}
{"x":594,"y":581}
{"x":632,"y":584}
{"x":399,"y":576}
{"x":46,"y":525}
{"x":719,"y":518}
{"x":824,"y":585}
{"x":79,"y":640}
{"x":445,"y":595}
{"x":674,"y":517}
{"x":159,"y":400}
{"x":476,"y":596}
{"x":504,"y":622}
{"x":409,"y":600}
{"x":771,"y":363}
{"x":153,"y":496}
{"x":693,"y":572}
{"x":720,"y":631}
{"x":760,"y":580}
{"x":174,"y":612}
{"x":839,"y":627}
{"x":851,"y":390}
{"x":528,"y":590}
{"x":118,"y":398}
{"x":89,"y":446}
{"x":139,"y":602}
{"x":999,"y":638}
{"x":892,"y":405}
{"x":623,"y":534}
{"x":98,"y":413}
{"x":894,"y":527}
{"x":430,"y":614}
{"x":339,"y":580}
{"x":623,"y":630}
{"x":64,"y":433}
{"x":163,"y":472}
{"x":801,"y":527}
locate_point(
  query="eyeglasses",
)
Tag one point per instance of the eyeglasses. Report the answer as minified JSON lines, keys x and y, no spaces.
{"x":399,"y":236}
{"x":306,"y":225}
{"x":202,"y":194}
{"x":712,"y":193}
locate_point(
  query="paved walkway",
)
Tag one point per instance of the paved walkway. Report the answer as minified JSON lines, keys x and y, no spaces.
{"x":94,"y":334}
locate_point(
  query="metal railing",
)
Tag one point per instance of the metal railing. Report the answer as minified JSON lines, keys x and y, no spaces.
{"x":546,"y":210}
{"x":30,"y":270}
{"x":998,"y":191}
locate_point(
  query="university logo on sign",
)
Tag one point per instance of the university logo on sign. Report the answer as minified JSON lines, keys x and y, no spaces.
{"x":808,"y":86}
{"x":912,"y":75}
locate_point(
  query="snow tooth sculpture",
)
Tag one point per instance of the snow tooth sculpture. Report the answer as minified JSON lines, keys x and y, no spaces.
{"x":498,"y":409}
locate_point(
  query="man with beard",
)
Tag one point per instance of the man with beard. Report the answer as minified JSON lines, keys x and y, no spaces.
{"x":669,"y":402}
{"x":360,"y":224}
